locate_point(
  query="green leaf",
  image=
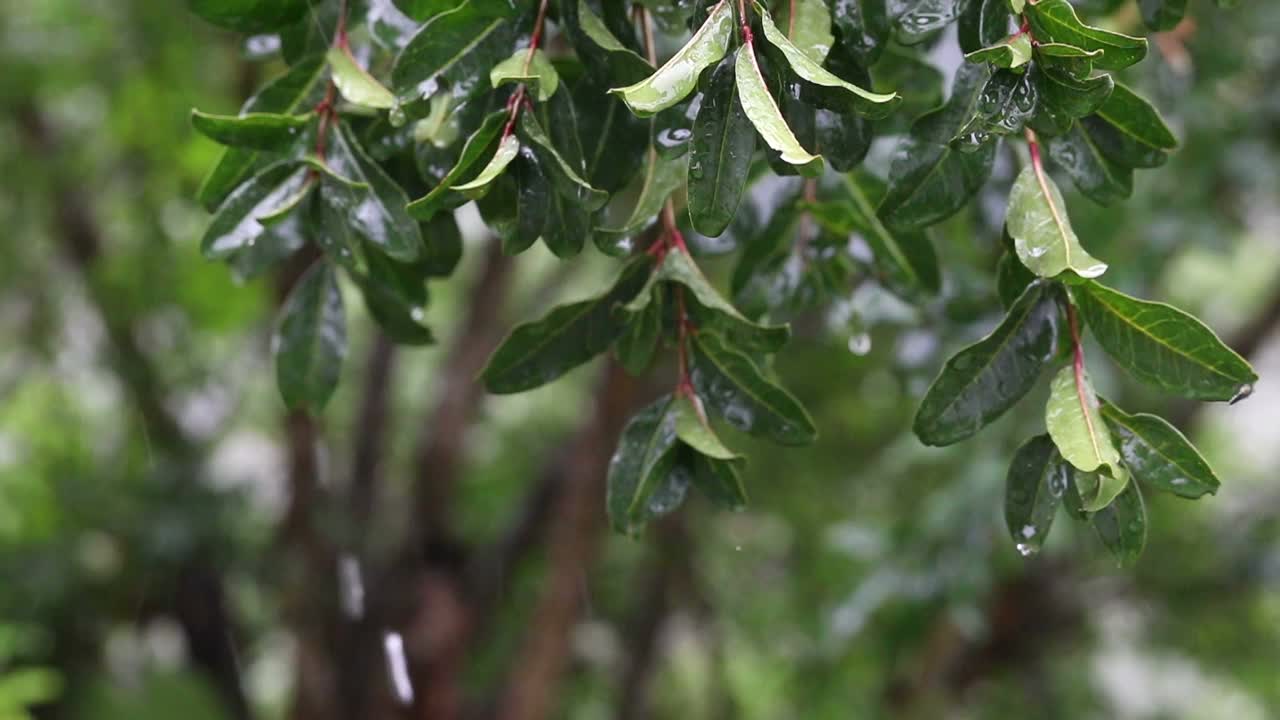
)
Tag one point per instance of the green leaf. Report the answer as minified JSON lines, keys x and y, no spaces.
{"x":1042,"y":234}
{"x":1071,"y":96}
{"x":1161,"y":15}
{"x":1097,"y":176}
{"x":357,"y":86}
{"x":693,"y":430}
{"x":1014,"y":52}
{"x":1164,"y":346}
{"x":720,"y":154}
{"x":249,"y":16}
{"x":599,"y":48}
{"x":1160,"y":456}
{"x":1122,"y":525}
{"x":662,"y":176}
{"x":1077,"y":429}
{"x":508,"y":147}
{"x":981,"y":382}
{"x":1067,"y":59}
{"x":443,"y":245}
{"x":929,"y":179}
{"x":533,"y":204}
{"x":636,"y":346}
{"x":256,"y":131}
{"x":735,"y":389}
{"x":764,"y":114}
{"x":672,"y":82}
{"x":240,"y":220}
{"x":641,"y":466}
{"x":539,"y":73}
{"x":284,"y":95}
{"x":564,"y":177}
{"x":395,"y":295}
{"x":424,"y":10}
{"x":1038,"y":478}
{"x":453,"y":50}
{"x":441,"y":197}
{"x":917,"y":20}
{"x":1142,"y":132}
{"x":720,"y":481}
{"x":810,"y":29}
{"x":1056,"y":21}
{"x":863,"y":27}
{"x":868,"y":103}
{"x":906,"y":259}
{"x":376,"y":213}
{"x":538,"y":352}
{"x":983,"y":23}
{"x":1007,"y":102}
{"x":311,"y":340}
{"x":710,"y":309}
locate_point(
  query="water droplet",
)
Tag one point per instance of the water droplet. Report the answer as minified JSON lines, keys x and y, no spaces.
{"x":397,"y":116}
{"x":1026,"y":549}
{"x":860,"y":344}
{"x":398,"y":667}
{"x":1242,"y":392}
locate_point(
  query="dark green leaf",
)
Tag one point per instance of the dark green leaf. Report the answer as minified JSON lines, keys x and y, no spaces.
{"x":1122,"y":525}
{"x":452,"y":53}
{"x":1164,"y":346}
{"x":1038,"y":478}
{"x":1005,"y":105}
{"x":735,"y":389}
{"x":1130,"y":130}
{"x":639,"y":473}
{"x":538,"y":352}
{"x":763,"y":111}
{"x":376,"y":213}
{"x":533,"y":207}
{"x":711,"y":310}
{"x":863,"y":27}
{"x":239,"y":221}
{"x":601,"y":51}
{"x":979,"y":383}
{"x":983,"y":23}
{"x":638,"y":342}
{"x":1056,"y":21}
{"x":1097,"y":176}
{"x":565,"y":178}
{"x":720,"y":154}
{"x":441,"y":197}
{"x":311,"y":340}
{"x":1160,"y":456}
{"x":443,"y":245}
{"x":255,"y":131}
{"x":672,"y":82}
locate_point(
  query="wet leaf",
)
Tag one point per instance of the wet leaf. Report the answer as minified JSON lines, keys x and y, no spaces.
{"x":983,"y":23}
{"x":1012,"y":53}
{"x":602,"y":52}
{"x":244,"y":217}
{"x":1097,"y":176}
{"x":642,"y":465}
{"x":1076,"y":426}
{"x":311,"y":340}
{"x":1038,"y":478}
{"x":1042,"y":234}
{"x":507,"y":150}
{"x":1163,"y":346}
{"x":1122,"y":525}
{"x":917,"y":20}
{"x":537,"y":72}
{"x":810,"y":29}
{"x":565,"y":178}
{"x":672,"y":82}
{"x":249,"y":16}
{"x":255,"y":131}
{"x":441,"y":197}
{"x":538,"y":352}
{"x":764,"y":114}
{"x":720,"y":154}
{"x":1160,"y":456}
{"x":1162,"y":15}
{"x":981,"y":382}
{"x":863,"y":27}
{"x":733,"y":387}
{"x":357,"y":86}
{"x":693,"y":430}
{"x":453,"y":51}
{"x":1056,"y":21}
{"x":377,"y":212}
{"x":710,"y":309}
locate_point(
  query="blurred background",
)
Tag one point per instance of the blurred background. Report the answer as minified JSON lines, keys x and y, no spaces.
{"x":172,"y":543}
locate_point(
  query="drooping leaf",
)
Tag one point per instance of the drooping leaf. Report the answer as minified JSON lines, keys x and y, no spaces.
{"x":508,"y":147}
{"x":1076,"y":426}
{"x":424,"y":10}
{"x":810,"y":27}
{"x":1122,"y":525}
{"x":1130,"y":130}
{"x":1042,"y":234}
{"x":1013,"y":52}
{"x":660,"y":177}
{"x":271,"y":132}
{"x":693,"y":429}
{"x":1097,"y":176}
{"x":1056,"y":21}
{"x":311,"y":340}
{"x":1038,"y":478}
{"x":983,"y":23}
{"x":863,"y":27}
{"x":1164,"y":346}
{"x":602,"y":52}
{"x":1067,"y":59}
{"x":533,"y":204}
{"x":535,"y":71}
{"x":720,"y":481}
{"x":538,"y":352}
{"x":285,"y":95}
{"x":441,"y":197}
{"x":672,"y":82}
{"x":720,"y":154}
{"x":564,"y":176}
{"x":929,"y":179}
{"x":863,"y":101}
{"x":636,"y":346}
{"x":1160,"y":456}
{"x":981,"y":382}
{"x":641,"y":465}
{"x":765,"y":115}
{"x":355,"y":83}
{"x":453,"y":51}
{"x":239,"y":221}
{"x":733,"y":387}
{"x":711,"y":310}
{"x":378,"y":212}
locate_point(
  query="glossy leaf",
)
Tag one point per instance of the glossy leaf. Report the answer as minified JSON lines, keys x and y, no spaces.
{"x":720,"y":481}
{"x":453,"y":50}
{"x":1097,"y":176}
{"x":1122,"y":525}
{"x":508,"y":147}
{"x":311,"y":340}
{"x":357,"y":86}
{"x":863,"y":27}
{"x":917,"y":20}
{"x":1012,"y":53}
{"x":764,"y":114}
{"x":602,"y":52}
{"x":1160,"y":456}
{"x":285,"y":95}
{"x":929,"y":179}
{"x":983,"y":23}
{"x":538,"y":352}
{"x":636,"y":346}
{"x":672,"y":82}
{"x":810,"y":28}
{"x":720,"y":154}
{"x":376,"y":213}
{"x":564,"y":177}
{"x":1163,"y":346}
{"x":256,"y":131}
{"x":1142,"y":131}
{"x":1056,"y":21}
{"x":710,"y":309}
{"x":863,"y":101}
{"x":240,"y":220}
{"x":907,"y":259}
{"x":1071,"y":96}
{"x":693,"y":430}
{"x":441,"y":197}
{"x":641,"y":464}
{"x":1042,"y":234}
{"x":981,"y":382}
{"x":1076,"y":426}
{"x":660,"y":177}
{"x":1006,"y":104}
{"x":536,"y":71}
{"x":733,"y":387}
{"x":1038,"y":478}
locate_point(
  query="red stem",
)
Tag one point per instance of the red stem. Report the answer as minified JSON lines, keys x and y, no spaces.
{"x":520,"y":98}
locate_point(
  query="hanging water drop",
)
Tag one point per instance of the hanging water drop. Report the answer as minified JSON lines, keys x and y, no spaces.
{"x":398,"y":667}
{"x":860,"y":343}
